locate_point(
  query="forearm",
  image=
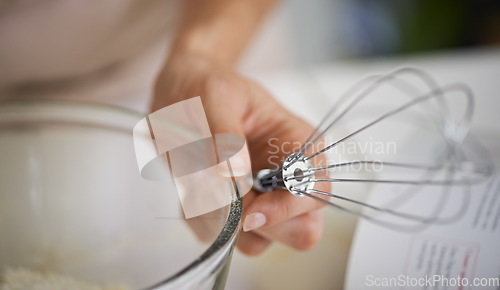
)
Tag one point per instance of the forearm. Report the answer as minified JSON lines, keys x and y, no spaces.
{"x":219,"y":29}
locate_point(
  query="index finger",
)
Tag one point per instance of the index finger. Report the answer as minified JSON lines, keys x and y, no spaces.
{"x":273,"y":208}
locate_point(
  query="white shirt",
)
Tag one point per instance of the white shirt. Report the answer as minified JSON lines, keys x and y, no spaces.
{"x":93,"y":50}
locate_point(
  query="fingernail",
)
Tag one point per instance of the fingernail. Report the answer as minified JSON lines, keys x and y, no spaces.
{"x":238,"y":168}
{"x":254,"y":221}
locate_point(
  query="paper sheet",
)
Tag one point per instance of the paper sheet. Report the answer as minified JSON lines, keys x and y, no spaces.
{"x":464,"y":254}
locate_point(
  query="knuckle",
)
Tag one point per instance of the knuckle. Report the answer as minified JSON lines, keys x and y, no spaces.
{"x":277,"y":207}
{"x":220,"y":83}
{"x":307,"y":241}
{"x":252,"y":250}
{"x":309,"y":236}
{"x":214,"y":81}
{"x":284,"y":208}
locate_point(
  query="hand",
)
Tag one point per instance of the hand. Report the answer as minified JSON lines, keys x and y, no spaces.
{"x":236,"y":105}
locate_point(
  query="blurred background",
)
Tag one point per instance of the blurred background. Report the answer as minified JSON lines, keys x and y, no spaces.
{"x":302,"y":33}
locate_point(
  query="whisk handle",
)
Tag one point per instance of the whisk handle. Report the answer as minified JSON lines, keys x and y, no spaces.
{"x":268,"y":180}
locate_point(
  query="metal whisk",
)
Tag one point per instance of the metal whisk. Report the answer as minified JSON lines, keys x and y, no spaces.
{"x":425,"y":123}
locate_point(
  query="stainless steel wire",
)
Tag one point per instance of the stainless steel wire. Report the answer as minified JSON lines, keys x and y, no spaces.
{"x":415,"y":90}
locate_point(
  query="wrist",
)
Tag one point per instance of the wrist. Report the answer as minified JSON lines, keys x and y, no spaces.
{"x":219,"y":30}
{"x":197,"y":44}
{"x":194,"y":62}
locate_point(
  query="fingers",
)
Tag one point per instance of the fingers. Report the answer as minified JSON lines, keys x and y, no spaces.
{"x":224,"y":114}
{"x":281,"y":216}
{"x":252,"y":244}
{"x":234,"y":105}
{"x":224,"y":105}
{"x":270,"y":209}
{"x":301,"y":233}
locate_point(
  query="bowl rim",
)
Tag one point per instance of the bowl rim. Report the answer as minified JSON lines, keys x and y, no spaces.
{"x":230,"y":230}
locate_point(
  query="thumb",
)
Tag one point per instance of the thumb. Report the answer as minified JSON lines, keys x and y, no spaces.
{"x":225,"y":105}
{"x":225,"y":108}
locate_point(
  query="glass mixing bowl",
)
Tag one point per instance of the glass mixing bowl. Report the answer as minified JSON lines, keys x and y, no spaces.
{"x":74,"y":208}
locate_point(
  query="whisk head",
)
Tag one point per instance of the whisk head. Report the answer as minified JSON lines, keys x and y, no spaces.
{"x":400,"y":132}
